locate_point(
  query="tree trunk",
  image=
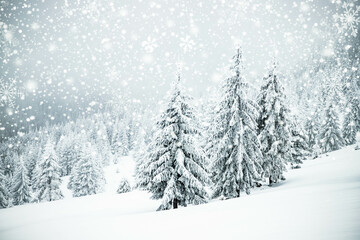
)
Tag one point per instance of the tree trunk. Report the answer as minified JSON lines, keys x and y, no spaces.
{"x":175,"y":203}
{"x":270,"y":181}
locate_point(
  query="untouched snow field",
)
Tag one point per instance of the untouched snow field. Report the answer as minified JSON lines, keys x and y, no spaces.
{"x":319,"y":201}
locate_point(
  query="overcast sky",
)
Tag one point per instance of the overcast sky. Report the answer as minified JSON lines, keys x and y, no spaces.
{"x":72,"y":53}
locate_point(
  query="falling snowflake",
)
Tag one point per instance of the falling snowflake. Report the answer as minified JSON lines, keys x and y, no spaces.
{"x":92,"y":9}
{"x":7,"y":41}
{"x":113,"y":74}
{"x":68,"y":12}
{"x":332,"y":84}
{"x":8,"y":93}
{"x":348,"y":19}
{"x":149,"y":45}
{"x":187,"y":44}
{"x":237,"y":13}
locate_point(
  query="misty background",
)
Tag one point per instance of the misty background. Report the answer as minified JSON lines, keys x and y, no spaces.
{"x":64,"y":59}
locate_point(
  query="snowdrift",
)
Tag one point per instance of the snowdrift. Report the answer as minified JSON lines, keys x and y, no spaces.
{"x":319,"y":201}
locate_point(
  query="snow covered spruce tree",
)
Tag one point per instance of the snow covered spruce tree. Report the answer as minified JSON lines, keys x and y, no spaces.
{"x":273,"y":127}
{"x":48,"y":174}
{"x":67,"y":150}
{"x":143,"y":175}
{"x":142,"y":152}
{"x":330,"y":134}
{"x":120,"y":142}
{"x":31,"y":157}
{"x":351,"y":90}
{"x":236,"y":159}
{"x":299,"y":144}
{"x":9,"y":164}
{"x":5,"y":198}
{"x":312,"y":126}
{"x":349,"y":128}
{"x":176,"y":163}
{"x":21,"y":191}
{"x":103,"y":145}
{"x":87,"y":177}
{"x":124,"y":186}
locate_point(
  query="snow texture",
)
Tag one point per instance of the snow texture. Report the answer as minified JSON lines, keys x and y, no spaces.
{"x":319,"y":201}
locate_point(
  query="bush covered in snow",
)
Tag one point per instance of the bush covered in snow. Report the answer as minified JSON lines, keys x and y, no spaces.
{"x":124,"y":186}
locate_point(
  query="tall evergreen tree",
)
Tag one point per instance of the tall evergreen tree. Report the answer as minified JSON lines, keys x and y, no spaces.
{"x":67,"y":153}
{"x":49,"y":181}
{"x":273,"y":127}
{"x":9,"y":164}
{"x":103,"y":145}
{"x":120,"y":141}
{"x":236,"y":162}
{"x":330,"y":134}
{"x":176,"y":163}
{"x":349,"y":125}
{"x":31,"y":157}
{"x":210,"y":111}
{"x":87,"y":177}
{"x":5,"y":198}
{"x":21,"y":185}
{"x":312,"y":126}
{"x":351,"y":90}
{"x":142,"y":176}
{"x":299,"y":144}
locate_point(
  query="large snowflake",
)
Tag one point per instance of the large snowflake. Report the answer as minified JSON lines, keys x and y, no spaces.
{"x":187,"y":44}
{"x":8,"y":93}
{"x":149,"y":45}
{"x":349,"y":18}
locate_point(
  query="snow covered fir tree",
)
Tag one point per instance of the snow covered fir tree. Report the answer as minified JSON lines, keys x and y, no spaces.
{"x":176,"y":163}
{"x":330,"y":133}
{"x":87,"y":177}
{"x":236,"y":157}
{"x":124,"y":186}
{"x":5,"y":199}
{"x":48,"y":175}
{"x":349,"y":128}
{"x":299,"y":144}
{"x":273,"y":127}
{"x":21,"y":192}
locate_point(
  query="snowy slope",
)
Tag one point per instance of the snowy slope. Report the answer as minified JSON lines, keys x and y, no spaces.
{"x":319,"y":201}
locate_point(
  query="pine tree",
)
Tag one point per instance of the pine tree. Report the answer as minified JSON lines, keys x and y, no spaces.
{"x":87,"y":177}
{"x":312,"y":132}
{"x":351,"y":90}
{"x":49,"y":181}
{"x":120,"y":142}
{"x":5,"y":199}
{"x":67,"y":153}
{"x":349,"y":128}
{"x":103,"y":146}
{"x":124,"y":186}
{"x":330,"y":134}
{"x":21,"y":185}
{"x":273,"y":127}
{"x":9,"y":164}
{"x":299,"y":144}
{"x":236,"y":162}
{"x":31,"y":158}
{"x":210,"y":111}
{"x":312,"y":126}
{"x":142,"y":175}
{"x":176,"y":163}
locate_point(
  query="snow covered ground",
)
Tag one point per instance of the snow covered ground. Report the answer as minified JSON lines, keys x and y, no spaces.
{"x":319,"y":201}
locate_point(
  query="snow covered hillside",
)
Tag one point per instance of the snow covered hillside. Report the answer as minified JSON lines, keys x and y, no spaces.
{"x":319,"y":201}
